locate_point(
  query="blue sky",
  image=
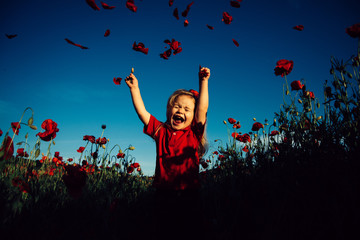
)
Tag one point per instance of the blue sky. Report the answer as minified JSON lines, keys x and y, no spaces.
{"x":75,"y":88}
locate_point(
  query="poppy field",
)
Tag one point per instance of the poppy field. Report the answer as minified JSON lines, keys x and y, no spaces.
{"x":295,"y":176}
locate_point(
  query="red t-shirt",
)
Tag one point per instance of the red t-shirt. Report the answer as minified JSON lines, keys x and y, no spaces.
{"x":177,"y":159}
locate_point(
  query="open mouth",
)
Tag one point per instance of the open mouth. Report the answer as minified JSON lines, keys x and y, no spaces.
{"x":178,"y":119}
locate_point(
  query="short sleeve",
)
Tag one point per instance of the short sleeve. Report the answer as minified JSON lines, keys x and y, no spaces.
{"x":198,"y":129}
{"x":152,"y":126}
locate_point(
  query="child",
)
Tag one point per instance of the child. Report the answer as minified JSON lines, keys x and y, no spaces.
{"x":179,"y":146}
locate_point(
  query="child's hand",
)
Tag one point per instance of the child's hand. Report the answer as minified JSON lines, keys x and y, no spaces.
{"x":204,"y":73}
{"x":131,"y":81}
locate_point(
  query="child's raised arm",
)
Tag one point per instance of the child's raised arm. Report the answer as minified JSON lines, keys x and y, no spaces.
{"x":140,"y":109}
{"x":203,"y":104}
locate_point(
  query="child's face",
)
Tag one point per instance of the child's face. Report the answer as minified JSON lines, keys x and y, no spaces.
{"x":182,"y":113}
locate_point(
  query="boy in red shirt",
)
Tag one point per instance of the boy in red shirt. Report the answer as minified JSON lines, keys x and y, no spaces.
{"x":180,"y":143}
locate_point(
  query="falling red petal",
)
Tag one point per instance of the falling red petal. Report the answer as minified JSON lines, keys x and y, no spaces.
{"x":235,"y":42}
{"x":131,"y":5}
{"x":165,"y":55}
{"x":227,"y":18}
{"x":106,"y":6}
{"x":235,"y":4}
{"x":140,"y":47}
{"x":171,"y":2}
{"x":210,"y":27}
{"x":75,"y":44}
{"x":10,"y":36}
{"x":176,"y":13}
{"x":299,"y":27}
{"x":178,"y":50}
{"x":186,"y":11}
{"x":117,"y":81}
{"x":93,"y":5}
{"x":107,"y":33}
{"x":186,"y":23}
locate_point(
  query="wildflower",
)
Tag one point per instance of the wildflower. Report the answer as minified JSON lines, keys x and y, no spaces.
{"x":245,"y":138}
{"x":15,"y":127}
{"x":21,"y":153}
{"x":236,"y":125}
{"x":216,"y":152}
{"x":120,"y":155}
{"x":310,"y":94}
{"x":234,"y":134}
{"x":7,"y":149}
{"x":117,"y":165}
{"x":256,"y":126}
{"x":131,"y":5}
{"x":353,"y":31}
{"x":101,"y":141}
{"x":274,"y":133}
{"x":23,"y":186}
{"x":81,"y":149}
{"x":136,"y":165}
{"x":245,"y":149}
{"x":130,"y":169}
{"x":231,"y":120}
{"x":296,"y":85}
{"x":89,"y":138}
{"x":227,"y":19}
{"x":70,"y":160}
{"x":140,"y":47}
{"x":50,"y":130}
{"x":283,"y":67}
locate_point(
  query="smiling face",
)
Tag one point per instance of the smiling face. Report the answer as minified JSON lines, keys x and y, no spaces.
{"x":181,"y":113}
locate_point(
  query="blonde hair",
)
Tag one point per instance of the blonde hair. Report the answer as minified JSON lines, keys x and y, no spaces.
{"x":203,"y":146}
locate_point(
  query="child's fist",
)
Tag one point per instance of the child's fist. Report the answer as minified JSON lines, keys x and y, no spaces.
{"x":204,"y":73}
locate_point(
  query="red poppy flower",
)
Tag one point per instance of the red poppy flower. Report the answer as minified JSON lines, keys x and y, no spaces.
{"x":171,"y":2}
{"x":106,"y":6}
{"x":235,"y":42}
{"x":140,"y":47}
{"x":176,"y":13}
{"x":245,"y":138}
{"x":310,"y":94}
{"x":227,"y":19}
{"x":274,"y":133}
{"x":203,"y":73}
{"x":210,"y":27}
{"x":15,"y":127}
{"x":107,"y":33}
{"x":101,"y":141}
{"x":1,"y":132}
{"x":89,"y":138}
{"x":235,"y":135}
{"x":50,"y":128}
{"x":130,"y":169}
{"x":299,"y":27}
{"x":196,"y":93}
{"x":283,"y":67}
{"x":231,"y":120}
{"x":353,"y":31}
{"x":216,"y":152}
{"x":75,"y":44}
{"x":186,"y":11}
{"x":120,"y":155}
{"x":136,"y":165}
{"x":21,"y":153}
{"x":235,"y":4}
{"x":245,"y":149}
{"x":10,"y":36}
{"x":93,"y":5}
{"x":165,"y":55}
{"x":236,"y":125}
{"x":131,"y":5}
{"x":23,"y":186}
{"x":7,"y":148}
{"x":186,"y":23}
{"x":80,"y":150}
{"x":296,"y":85}
{"x":117,"y":81}
{"x":256,"y":126}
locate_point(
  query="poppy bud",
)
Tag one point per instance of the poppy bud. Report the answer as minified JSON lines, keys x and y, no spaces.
{"x":30,"y":121}
{"x":103,"y":146}
{"x":33,"y":127}
{"x":319,"y":118}
{"x":254,"y":119}
{"x":103,"y":126}
{"x":318,"y":105}
{"x":132,"y":70}
{"x":299,"y":100}
{"x":224,"y":122}
{"x":349,"y":75}
{"x":131,"y":148}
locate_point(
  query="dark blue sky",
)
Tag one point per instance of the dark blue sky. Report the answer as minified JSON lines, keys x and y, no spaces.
{"x":75,"y":88}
